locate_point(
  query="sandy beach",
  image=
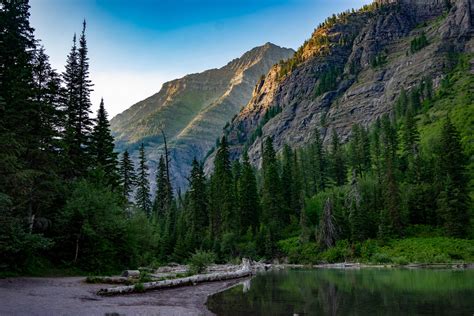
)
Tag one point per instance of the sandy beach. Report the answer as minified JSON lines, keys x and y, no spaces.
{"x":72,"y":296}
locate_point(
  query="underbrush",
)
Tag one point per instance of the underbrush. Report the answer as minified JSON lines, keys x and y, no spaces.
{"x":397,"y":251}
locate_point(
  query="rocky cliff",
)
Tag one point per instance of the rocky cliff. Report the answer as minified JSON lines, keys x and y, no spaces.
{"x":351,"y":70}
{"x":193,"y":110}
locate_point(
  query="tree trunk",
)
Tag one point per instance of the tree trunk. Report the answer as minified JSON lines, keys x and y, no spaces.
{"x":192,"y":280}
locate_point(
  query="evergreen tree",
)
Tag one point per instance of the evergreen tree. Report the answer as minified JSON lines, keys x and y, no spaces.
{"x":410,"y":136}
{"x":297,"y":197}
{"x":164,"y":191}
{"x":390,"y":184}
{"x":338,"y":164}
{"x":453,"y":202}
{"x":319,"y":165}
{"x":359,"y":150}
{"x":287,"y":178}
{"x":273,"y":209}
{"x":198,"y":204}
{"x":358,"y":219}
{"x":28,"y":181}
{"x":102,"y":147}
{"x":79,"y":124}
{"x":127,"y":175}
{"x":401,"y":104}
{"x":248,"y":197}
{"x":221,"y":195}
{"x":142,"y":195}
{"x":48,"y":97}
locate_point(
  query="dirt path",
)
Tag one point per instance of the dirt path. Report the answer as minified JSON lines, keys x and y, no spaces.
{"x":71,"y":296}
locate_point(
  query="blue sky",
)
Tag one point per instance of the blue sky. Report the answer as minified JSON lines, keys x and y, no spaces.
{"x":136,"y":45}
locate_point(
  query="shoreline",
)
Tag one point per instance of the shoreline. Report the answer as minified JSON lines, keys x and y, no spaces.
{"x":73,"y":296}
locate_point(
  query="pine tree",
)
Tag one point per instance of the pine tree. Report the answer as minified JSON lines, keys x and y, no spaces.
{"x":359,"y":150}
{"x":79,"y":124}
{"x":198,"y":203}
{"x":273,"y":205}
{"x":320,"y":167}
{"x":142,"y":195}
{"x":402,"y":103}
{"x":102,"y":147}
{"x":410,"y":136}
{"x":222,"y":203}
{"x":453,"y":202}
{"x":391,"y":192}
{"x":164,"y":192}
{"x":70,"y":80}
{"x":48,"y":97}
{"x":338,"y":164}
{"x":27,"y":181}
{"x":248,"y":197}
{"x":358,"y":220}
{"x":287,"y":178}
{"x":127,"y":175}
{"x":297,"y":197}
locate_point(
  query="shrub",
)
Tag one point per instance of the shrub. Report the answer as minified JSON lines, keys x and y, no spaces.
{"x":381,"y":258}
{"x":139,"y":288}
{"x":340,"y":252}
{"x":401,"y":261}
{"x":200,"y":260}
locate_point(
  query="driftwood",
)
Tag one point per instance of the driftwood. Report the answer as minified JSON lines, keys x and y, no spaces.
{"x":192,"y":280}
{"x":244,"y":271}
{"x":131,"y":273}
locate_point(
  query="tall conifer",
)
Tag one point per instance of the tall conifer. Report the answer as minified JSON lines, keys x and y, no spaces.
{"x":142,"y":195}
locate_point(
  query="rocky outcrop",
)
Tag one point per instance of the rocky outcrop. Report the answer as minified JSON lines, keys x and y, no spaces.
{"x":192,"y":111}
{"x":372,"y":49}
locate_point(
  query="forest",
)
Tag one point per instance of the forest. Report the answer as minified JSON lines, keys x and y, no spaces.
{"x":393,"y":190}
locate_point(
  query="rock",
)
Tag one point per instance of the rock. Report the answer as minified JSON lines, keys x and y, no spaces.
{"x":363,"y":93}
{"x":192,"y":111}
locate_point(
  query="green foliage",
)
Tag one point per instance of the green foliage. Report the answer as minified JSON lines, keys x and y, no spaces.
{"x":299,"y":252}
{"x":269,"y":114}
{"x":418,"y":43}
{"x":94,"y":228}
{"x":200,"y":260}
{"x":328,"y":80}
{"x":428,"y":250}
{"x":102,"y":147}
{"x":339,"y":253}
{"x":378,"y":60}
{"x":142,"y":194}
{"x":139,"y":288}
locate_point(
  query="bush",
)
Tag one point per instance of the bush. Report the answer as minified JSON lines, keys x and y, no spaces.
{"x":401,"y":261}
{"x":139,"y":288}
{"x":381,"y":258}
{"x":200,"y":260}
{"x":297,"y":251}
{"x":339,"y":253}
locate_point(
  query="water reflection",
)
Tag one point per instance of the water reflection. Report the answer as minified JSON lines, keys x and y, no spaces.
{"x":350,"y":292}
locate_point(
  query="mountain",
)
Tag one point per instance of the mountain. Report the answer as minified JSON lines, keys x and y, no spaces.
{"x":352,"y":70}
{"x":193,"y":110}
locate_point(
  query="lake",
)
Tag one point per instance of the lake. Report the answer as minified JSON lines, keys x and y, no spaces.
{"x":350,"y":292}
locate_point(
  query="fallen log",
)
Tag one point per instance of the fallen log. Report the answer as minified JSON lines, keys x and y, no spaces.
{"x":191,"y":280}
{"x":131,"y":273}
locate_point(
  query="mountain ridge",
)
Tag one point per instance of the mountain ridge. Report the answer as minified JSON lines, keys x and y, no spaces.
{"x":193,"y":109}
{"x":368,"y":55}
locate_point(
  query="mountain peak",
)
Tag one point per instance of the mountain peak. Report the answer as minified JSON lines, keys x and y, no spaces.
{"x":194,"y":109}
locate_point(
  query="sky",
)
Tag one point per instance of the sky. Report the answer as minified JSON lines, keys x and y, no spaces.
{"x":137,"y":45}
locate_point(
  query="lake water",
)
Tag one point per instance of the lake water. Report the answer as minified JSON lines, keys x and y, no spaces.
{"x":350,"y":292}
